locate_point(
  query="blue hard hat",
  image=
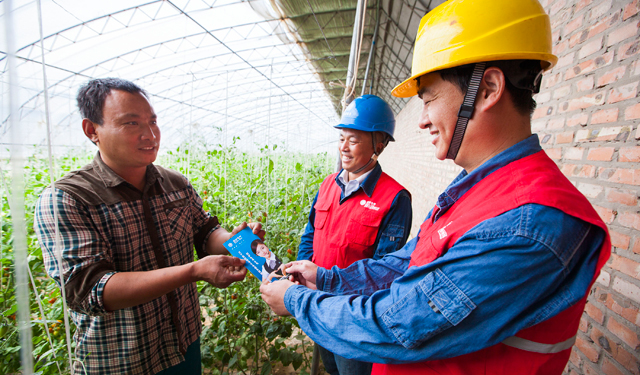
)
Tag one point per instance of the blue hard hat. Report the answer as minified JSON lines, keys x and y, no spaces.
{"x":368,"y":113}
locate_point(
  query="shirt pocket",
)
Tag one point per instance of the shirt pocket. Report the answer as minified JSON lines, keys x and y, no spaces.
{"x":321,"y":214}
{"x":434,"y":305}
{"x":363,"y":228}
{"x":179,"y":217}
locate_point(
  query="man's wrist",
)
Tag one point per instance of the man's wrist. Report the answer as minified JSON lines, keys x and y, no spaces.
{"x":290,"y":297}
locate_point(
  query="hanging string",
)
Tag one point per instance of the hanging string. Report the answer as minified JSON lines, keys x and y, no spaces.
{"x":17,"y":202}
{"x":224,"y":141}
{"x":57,"y":240}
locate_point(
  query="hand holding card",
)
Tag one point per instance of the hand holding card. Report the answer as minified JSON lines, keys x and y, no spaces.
{"x":260,"y":260}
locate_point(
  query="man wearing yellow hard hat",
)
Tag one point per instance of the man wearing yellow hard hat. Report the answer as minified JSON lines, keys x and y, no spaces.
{"x":498,"y":276}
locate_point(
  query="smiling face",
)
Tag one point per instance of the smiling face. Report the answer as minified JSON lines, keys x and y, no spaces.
{"x":355,"y":148}
{"x":263,"y":251}
{"x":129,"y":136}
{"x":441,"y":101}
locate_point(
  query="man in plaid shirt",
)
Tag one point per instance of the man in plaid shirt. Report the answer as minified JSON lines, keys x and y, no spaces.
{"x":127,"y":230}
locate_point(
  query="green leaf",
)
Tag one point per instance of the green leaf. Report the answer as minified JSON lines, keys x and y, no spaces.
{"x":266,"y":369}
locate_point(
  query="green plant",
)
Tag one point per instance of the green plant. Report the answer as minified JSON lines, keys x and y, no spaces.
{"x":240,"y":334}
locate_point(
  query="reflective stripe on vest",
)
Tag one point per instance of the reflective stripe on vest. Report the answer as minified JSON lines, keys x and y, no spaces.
{"x":538,"y":347}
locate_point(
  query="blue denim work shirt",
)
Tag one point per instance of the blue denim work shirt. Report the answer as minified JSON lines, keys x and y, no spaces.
{"x":394,"y":228}
{"x":506,"y":274}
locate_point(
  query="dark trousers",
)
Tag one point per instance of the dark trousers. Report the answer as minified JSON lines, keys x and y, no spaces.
{"x":192,"y":364}
{"x":337,"y":365}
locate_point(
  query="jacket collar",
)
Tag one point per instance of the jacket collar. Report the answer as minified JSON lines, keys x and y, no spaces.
{"x":369,"y":183}
{"x":112,"y":179}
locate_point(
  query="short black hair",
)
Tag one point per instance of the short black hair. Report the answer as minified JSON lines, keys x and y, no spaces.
{"x":254,"y":246}
{"x":92,"y":95}
{"x":522,"y":98}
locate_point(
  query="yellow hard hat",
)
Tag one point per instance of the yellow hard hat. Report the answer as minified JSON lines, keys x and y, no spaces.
{"x":460,"y":32}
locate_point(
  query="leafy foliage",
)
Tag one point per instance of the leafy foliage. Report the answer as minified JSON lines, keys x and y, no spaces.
{"x":240,"y":333}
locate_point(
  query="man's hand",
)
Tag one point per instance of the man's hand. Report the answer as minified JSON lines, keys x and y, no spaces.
{"x":303,"y":272}
{"x":215,"y":243}
{"x":219,"y":270}
{"x":255,"y":227}
{"x":273,"y":294}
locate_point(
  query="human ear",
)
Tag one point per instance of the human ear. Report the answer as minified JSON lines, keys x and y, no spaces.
{"x":89,"y":129}
{"x":492,"y":88}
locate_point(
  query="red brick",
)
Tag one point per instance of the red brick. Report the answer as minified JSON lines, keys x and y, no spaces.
{"x":604,"y":278}
{"x":628,"y":49}
{"x":574,"y":357}
{"x":573,"y":153}
{"x":557,"y":6}
{"x":590,"y":190}
{"x":590,"y":48}
{"x":554,"y":153}
{"x":632,"y":112}
{"x":625,"y":197}
{"x":600,"y":339}
{"x":599,"y":10}
{"x":626,"y":359}
{"x":610,"y":133}
{"x":588,"y":349}
{"x":629,"y":220}
{"x":611,"y":76}
{"x":562,"y":91}
{"x":578,"y":38}
{"x":623,"y":308}
{"x":629,"y":336}
{"x":585,"y":84}
{"x":627,"y":289}
{"x":636,"y":245}
{"x":565,"y":60}
{"x":579,"y":119}
{"x":550,"y":80}
{"x":573,"y":25}
{"x":567,"y":169}
{"x":606,"y":214}
{"x":590,"y":370}
{"x":556,"y":123}
{"x":590,"y":65}
{"x":625,"y":265}
{"x":605,"y":116}
{"x":631,"y":9}
{"x":623,"y":176}
{"x":603,"y":24}
{"x":629,"y":154}
{"x":595,"y":313}
{"x":541,"y":112}
{"x":609,"y":367}
{"x":597,"y":98}
{"x":623,"y":32}
{"x":625,"y":92}
{"x":584,"y":325}
{"x":600,"y":154}
{"x":588,"y":171}
{"x":560,"y":47}
{"x":635,"y":68}
{"x":566,"y":137}
{"x":619,"y":240}
{"x":581,"y":4}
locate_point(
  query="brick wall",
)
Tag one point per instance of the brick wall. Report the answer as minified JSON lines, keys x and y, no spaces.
{"x":588,"y":119}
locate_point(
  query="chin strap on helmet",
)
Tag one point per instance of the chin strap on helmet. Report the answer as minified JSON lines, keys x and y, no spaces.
{"x":466,"y":110}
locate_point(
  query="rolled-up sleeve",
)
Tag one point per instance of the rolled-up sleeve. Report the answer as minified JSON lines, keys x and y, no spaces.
{"x":86,"y":259}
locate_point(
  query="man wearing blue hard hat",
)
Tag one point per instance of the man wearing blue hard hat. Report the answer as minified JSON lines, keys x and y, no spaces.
{"x":359,"y":212}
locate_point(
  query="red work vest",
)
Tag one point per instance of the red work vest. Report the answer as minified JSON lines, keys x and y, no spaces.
{"x":533,"y":179}
{"x":345,"y":233}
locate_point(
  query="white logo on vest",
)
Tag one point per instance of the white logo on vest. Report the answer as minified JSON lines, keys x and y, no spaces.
{"x":370,"y":205}
{"x":443,"y":233}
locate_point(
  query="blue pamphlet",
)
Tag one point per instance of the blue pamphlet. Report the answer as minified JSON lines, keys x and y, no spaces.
{"x":259,"y":259}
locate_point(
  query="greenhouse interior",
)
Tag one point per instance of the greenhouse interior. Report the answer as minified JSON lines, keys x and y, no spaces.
{"x":247,"y":94}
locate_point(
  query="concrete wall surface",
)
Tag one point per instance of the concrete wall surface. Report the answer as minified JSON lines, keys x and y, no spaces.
{"x":588,"y":120}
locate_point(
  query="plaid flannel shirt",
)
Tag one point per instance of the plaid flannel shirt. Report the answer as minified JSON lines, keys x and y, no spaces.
{"x":106,"y":226}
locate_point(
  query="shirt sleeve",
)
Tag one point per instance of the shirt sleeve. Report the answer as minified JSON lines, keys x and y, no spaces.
{"x":395,"y":226}
{"x":506,"y":274}
{"x":87,"y":262}
{"x":305,"y":250}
